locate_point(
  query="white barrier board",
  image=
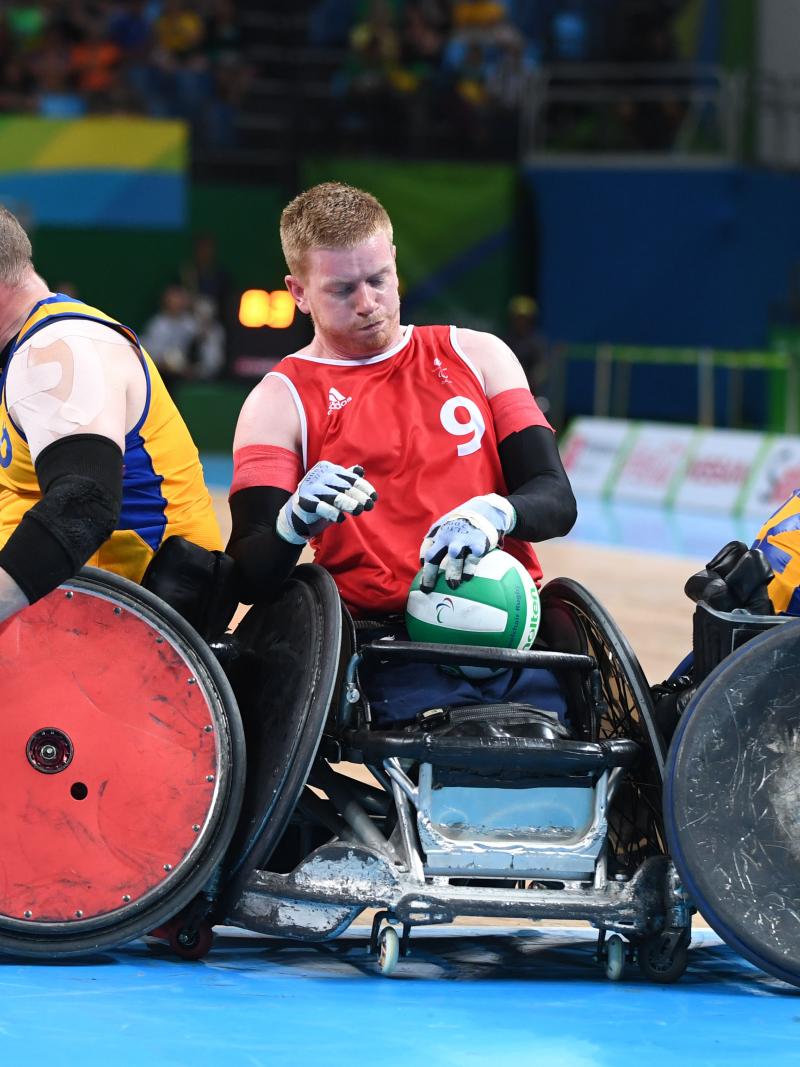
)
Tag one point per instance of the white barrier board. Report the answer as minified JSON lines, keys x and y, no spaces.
{"x":654,"y":464}
{"x":718,"y":469}
{"x":777,"y":477}
{"x":592,"y":452}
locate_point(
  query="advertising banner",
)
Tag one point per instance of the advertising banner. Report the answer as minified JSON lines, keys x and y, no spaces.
{"x":593,"y":451}
{"x":718,"y":470}
{"x":655,"y":464}
{"x":104,"y":171}
{"x":777,"y":477}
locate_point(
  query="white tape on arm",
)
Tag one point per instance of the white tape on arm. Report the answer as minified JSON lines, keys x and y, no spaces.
{"x":55,"y":389}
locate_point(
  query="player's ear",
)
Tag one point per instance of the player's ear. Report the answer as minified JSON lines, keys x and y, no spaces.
{"x":298,"y":291}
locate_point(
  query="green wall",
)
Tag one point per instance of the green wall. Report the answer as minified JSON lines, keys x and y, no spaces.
{"x":124,"y":271}
{"x":454,"y":231}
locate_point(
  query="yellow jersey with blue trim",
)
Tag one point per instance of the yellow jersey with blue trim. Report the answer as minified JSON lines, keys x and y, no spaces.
{"x":163,"y":489}
{"x":779,"y":540}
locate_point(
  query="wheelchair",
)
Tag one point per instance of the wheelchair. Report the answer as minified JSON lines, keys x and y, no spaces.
{"x":156,"y":785}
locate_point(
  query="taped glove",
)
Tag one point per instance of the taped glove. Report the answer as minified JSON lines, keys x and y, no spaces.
{"x":462,"y":537}
{"x":326,"y":494}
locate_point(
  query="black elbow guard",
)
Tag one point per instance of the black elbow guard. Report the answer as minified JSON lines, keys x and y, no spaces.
{"x":196,"y":582}
{"x":81,"y":479}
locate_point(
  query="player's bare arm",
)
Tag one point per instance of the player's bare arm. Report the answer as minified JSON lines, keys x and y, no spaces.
{"x":494,"y":360}
{"x":276,"y":507}
{"x":269,"y":417}
{"x":539,"y":504}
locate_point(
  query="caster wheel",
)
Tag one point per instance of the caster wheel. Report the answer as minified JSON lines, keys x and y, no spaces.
{"x":388,"y":949}
{"x":191,"y":944}
{"x":660,"y":960}
{"x":615,"y":958}
{"x":185,"y":941}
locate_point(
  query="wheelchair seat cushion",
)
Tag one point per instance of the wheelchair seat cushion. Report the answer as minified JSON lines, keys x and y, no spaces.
{"x":398,"y":692}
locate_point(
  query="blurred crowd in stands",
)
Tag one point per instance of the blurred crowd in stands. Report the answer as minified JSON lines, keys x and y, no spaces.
{"x":442,"y":77}
{"x":65,"y":59}
{"x":462,"y":66}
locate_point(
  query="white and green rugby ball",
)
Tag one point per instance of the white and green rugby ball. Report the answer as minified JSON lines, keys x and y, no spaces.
{"x":498,"y":607}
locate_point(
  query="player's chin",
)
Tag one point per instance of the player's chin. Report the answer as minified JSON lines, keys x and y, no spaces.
{"x":373,"y":340}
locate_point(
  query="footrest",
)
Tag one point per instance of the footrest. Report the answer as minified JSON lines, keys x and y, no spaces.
{"x":537,"y":757}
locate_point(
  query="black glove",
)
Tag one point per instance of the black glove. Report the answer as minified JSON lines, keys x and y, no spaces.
{"x":737,"y":577}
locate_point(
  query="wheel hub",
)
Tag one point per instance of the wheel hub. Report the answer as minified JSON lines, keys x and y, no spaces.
{"x":49,"y":750}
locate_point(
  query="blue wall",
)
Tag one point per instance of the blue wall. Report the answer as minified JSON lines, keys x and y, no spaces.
{"x":664,"y":257}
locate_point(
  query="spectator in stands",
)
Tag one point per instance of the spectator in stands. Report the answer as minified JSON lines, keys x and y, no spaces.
{"x":26,"y":23}
{"x":207,"y":354}
{"x":645,"y":34}
{"x":470,"y":106}
{"x":371,"y":77}
{"x":131,"y":29}
{"x":169,"y":337}
{"x":16,"y":85}
{"x":181,"y":65}
{"x":425,"y":32}
{"x":93,"y":62}
{"x":223,"y":33}
{"x":204,"y":276}
{"x":506,"y":83}
{"x":185,"y":340}
{"x":478,"y":16}
{"x":179,"y":30}
{"x":526,"y":340}
{"x":48,"y":60}
{"x":330,"y":23}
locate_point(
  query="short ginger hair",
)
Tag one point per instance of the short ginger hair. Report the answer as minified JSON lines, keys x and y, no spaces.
{"x":330,"y":215}
{"x":15,"y":250}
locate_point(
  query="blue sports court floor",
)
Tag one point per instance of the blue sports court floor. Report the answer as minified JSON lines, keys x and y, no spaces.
{"x":466,"y":997}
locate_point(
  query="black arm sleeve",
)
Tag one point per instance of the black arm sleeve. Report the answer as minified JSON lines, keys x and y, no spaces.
{"x":538,"y":485}
{"x":81,"y":479}
{"x":263,"y":559}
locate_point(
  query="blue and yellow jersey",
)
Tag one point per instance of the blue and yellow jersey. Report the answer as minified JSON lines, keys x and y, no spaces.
{"x":163,"y":490}
{"x":779,"y":540}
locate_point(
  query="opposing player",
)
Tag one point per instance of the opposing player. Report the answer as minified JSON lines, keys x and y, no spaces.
{"x":384,"y":444}
{"x":96,"y":464}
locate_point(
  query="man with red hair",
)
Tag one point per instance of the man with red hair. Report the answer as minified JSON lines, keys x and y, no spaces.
{"x":385,"y":445}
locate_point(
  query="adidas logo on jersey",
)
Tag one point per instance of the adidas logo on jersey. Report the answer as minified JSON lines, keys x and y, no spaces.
{"x":336,"y":401}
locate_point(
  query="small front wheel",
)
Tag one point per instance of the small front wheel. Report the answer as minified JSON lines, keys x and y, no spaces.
{"x":663,"y":960}
{"x":615,"y":958}
{"x":388,"y":950}
{"x":191,"y":943}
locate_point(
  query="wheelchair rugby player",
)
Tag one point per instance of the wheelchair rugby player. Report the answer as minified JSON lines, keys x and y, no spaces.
{"x":538,"y":794}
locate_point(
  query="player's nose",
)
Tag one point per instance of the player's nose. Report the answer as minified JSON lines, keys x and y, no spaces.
{"x":365,"y":300}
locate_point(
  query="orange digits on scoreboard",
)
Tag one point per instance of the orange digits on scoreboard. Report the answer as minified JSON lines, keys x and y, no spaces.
{"x":257,"y":308}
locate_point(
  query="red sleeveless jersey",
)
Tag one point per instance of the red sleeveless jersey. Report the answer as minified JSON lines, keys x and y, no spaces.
{"x":417,"y":419}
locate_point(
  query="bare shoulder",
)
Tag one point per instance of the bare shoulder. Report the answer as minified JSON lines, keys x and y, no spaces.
{"x":269,"y":417}
{"x":495,"y":361}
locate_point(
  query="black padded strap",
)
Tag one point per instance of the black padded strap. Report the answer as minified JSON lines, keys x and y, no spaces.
{"x":81,"y":479}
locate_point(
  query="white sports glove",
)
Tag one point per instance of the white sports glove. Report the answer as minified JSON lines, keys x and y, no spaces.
{"x":462,"y":537}
{"x":326,"y":494}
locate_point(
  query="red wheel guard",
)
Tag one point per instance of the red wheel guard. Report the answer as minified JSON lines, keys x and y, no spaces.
{"x":102,"y":811}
